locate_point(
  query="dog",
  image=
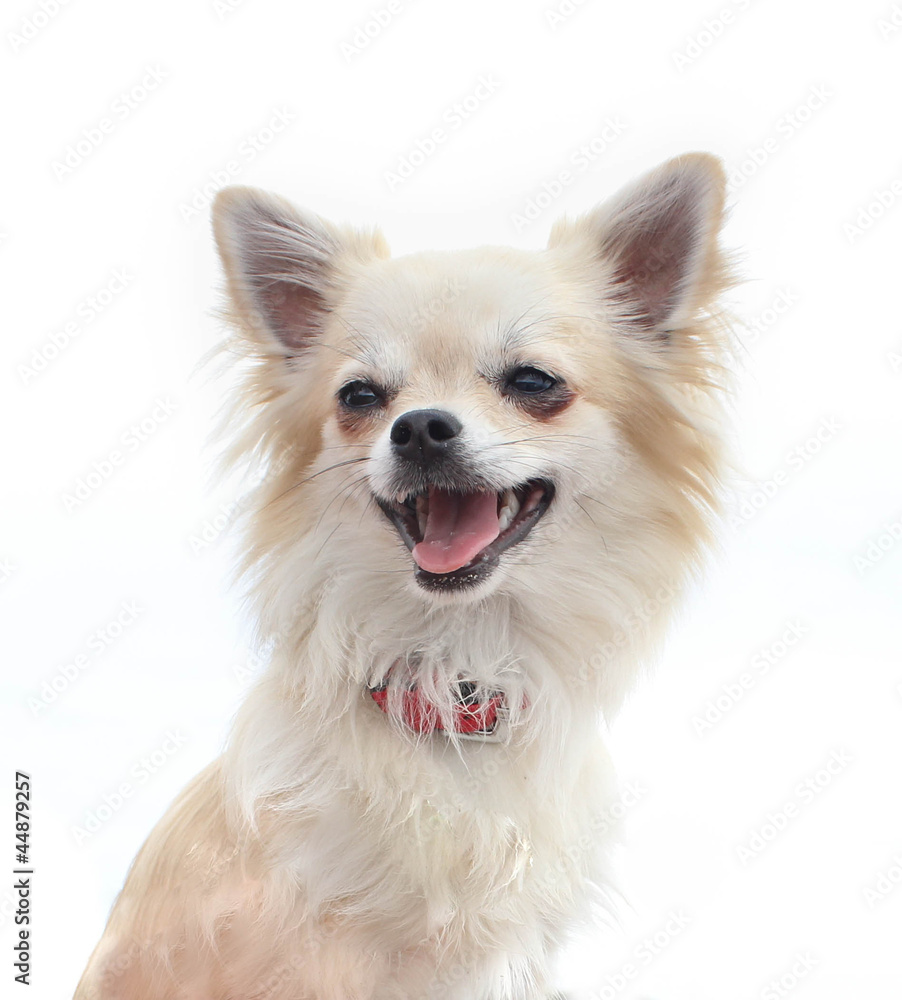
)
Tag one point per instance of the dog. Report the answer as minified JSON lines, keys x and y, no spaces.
{"x":485,"y":477}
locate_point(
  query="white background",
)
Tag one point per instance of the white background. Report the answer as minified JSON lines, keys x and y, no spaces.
{"x":800,"y":99}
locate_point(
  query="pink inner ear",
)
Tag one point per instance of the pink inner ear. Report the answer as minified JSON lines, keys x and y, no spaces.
{"x":292,"y":312}
{"x":281,"y":263}
{"x":655,"y":266}
{"x":653,"y":242}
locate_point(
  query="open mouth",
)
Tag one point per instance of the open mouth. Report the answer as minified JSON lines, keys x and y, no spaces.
{"x":456,"y":538}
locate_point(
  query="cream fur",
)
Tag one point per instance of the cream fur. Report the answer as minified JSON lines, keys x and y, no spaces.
{"x":330,"y":853}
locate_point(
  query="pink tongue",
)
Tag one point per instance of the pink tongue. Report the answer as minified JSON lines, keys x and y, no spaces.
{"x":458,"y":526}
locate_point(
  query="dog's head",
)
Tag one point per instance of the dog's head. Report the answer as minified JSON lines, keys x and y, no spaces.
{"x":454,"y":425}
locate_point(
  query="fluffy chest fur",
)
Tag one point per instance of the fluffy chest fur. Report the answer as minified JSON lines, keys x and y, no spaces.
{"x":466,"y":863}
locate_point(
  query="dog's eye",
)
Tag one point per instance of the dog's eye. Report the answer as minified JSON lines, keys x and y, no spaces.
{"x":360,"y":394}
{"x":530,"y":381}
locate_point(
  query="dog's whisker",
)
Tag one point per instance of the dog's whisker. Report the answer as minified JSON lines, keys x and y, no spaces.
{"x":303,"y":482}
{"x":325,"y":541}
{"x":588,"y":496}
{"x":583,"y":509}
{"x":345,"y":485}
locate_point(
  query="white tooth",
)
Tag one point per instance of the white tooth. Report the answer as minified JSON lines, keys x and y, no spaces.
{"x":401,"y":497}
{"x":422,"y":508}
{"x":510,"y":507}
{"x":513,"y":502}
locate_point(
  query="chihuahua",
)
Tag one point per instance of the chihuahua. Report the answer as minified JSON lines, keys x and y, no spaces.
{"x":485,"y":478}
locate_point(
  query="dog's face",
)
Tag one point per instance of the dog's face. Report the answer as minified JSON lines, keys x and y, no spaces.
{"x":456,"y":379}
{"x":459,"y":423}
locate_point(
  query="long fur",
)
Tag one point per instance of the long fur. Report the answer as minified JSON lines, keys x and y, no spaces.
{"x":331,"y":852}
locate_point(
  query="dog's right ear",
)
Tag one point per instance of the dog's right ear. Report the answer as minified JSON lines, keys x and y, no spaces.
{"x":285,"y":268}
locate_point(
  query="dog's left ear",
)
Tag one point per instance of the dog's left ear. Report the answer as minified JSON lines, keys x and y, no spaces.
{"x":653,"y":247}
{"x":285,"y":268}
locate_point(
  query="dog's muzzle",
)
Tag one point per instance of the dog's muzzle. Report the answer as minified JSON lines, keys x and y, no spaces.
{"x":455,"y":523}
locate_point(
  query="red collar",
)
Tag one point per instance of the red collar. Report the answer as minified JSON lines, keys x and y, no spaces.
{"x":471,"y":718}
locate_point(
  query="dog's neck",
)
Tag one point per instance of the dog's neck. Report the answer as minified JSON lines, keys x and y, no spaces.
{"x":502,"y":644}
{"x":547,"y":659}
{"x":345,"y":629}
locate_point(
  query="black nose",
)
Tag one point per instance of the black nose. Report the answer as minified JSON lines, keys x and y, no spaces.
{"x":424,"y":435}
